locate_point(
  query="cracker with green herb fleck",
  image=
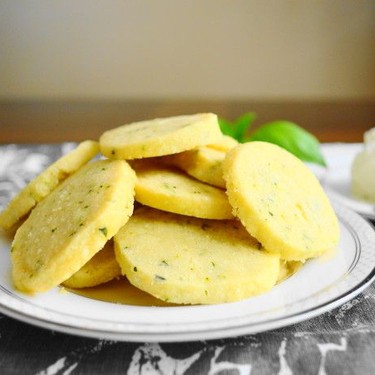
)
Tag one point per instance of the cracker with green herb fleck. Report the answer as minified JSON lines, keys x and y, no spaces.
{"x":288,"y":269}
{"x":173,"y":191}
{"x":46,"y":182}
{"x":67,"y":228}
{"x":193,"y":261}
{"x":225,"y":143}
{"x":280,"y":201}
{"x":162,"y":136}
{"x":203,"y":163}
{"x":101,"y":268}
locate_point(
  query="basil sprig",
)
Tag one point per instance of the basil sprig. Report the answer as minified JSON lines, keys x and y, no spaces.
{"x":238,"y":128}
{"x":285,"y":134}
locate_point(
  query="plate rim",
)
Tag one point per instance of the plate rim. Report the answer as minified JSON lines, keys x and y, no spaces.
{"x":241,"y":328}
{"x":363,"y":208}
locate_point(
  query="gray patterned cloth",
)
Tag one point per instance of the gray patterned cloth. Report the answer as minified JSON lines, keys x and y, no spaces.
{"x":341,"y":341}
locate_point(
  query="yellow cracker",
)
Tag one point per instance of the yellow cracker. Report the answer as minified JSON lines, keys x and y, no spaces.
{"x":225,"y":143}
{"x":67,"y":228}
{"x":203,"y":163}
{"x":159,"y":137}
{"x":288,"y":269}
{"x":45,"y":182}
{"x":193,"y":261}
{"x":101,"y":268}
{"x":280,"y":201}
{"x":172,"y":190}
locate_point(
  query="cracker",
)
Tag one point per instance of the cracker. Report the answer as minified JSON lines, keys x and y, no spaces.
{"x":45,"y":183}
{"x":160,"y":136}
{"x":67,"y":228}
{"x":172,"y":190}
{"x":203,"y":163}
{"x":288,"y":269}
{"x":280,"y":201}
{"x":193,"y":261}
{"x":225,"y":143}
{"x":101,"y":268}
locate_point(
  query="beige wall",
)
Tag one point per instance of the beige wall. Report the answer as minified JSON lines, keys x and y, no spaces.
{"x":163,"y":48}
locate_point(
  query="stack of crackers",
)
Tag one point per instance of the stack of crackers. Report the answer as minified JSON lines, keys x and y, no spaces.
{"x":184,"y":212}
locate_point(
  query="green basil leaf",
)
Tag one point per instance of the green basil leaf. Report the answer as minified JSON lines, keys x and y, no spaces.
{"x":227,"y":127}
{"x":239,"y":127}
{"x":291,"y":137}
{"x":242,"y":125}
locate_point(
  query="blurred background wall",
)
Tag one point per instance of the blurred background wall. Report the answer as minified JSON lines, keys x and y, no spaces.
{"x":120,"y":49}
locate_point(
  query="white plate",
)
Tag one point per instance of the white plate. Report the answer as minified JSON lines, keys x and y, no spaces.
{"x":337,"y":179}
{"x":319,"y":286}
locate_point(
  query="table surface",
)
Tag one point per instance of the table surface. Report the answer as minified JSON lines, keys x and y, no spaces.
{"x":57,"y":121}
{"x":341,"y":341}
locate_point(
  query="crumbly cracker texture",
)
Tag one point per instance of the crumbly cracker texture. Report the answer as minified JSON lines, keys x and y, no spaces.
{"x":193,"y":261}
{"x":161,"y":136}
{"x":279,"y":201}
{"x":42,"y":185}
{"x":101,"y":268}
{"x":172,"y":190}
{"x":72,"y":224}
{"x":203,"y":163}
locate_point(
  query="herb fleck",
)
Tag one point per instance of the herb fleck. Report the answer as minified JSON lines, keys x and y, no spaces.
{"x":169,"y":187}
{"x":205,"y":226}
{"x":104,"y":230}
{"x":159,"y":278}
{"x":39,"y":264}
